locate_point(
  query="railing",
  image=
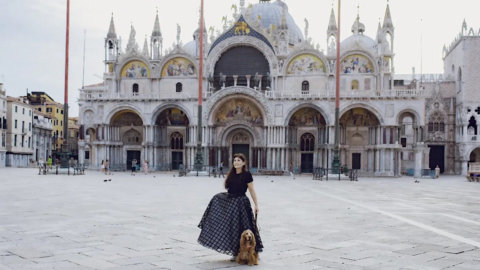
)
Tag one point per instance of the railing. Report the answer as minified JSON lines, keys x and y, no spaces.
{"x":326,"y":94}
{"x":335,"y":174}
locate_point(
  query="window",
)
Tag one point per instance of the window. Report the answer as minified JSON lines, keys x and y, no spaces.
{"x":305,"y":86}
{"x":57,"y":110}
{"x":87,"y":154}
{"x":23,"y":126}
{"x":15,"y":123}
{"x":61,"y":111}
{"x":307,"y":142}
{"x":179,"y":87}
{"x":29,"y":112}
{"x":23,"y":110}
{"x":354,"y":85}
{"x":29,"y":126}
{"x":16,"y":109}
{"x":39,"y":109}
{"x":176,"y":141}
{"x":29,"y":141}
{"x":135,"y":89}
{"x":15,"y":140}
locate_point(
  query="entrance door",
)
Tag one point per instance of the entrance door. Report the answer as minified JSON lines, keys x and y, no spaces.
{"x":307,"y":163}
{"x":356,"y":157}
{"x":177,"y":159}
{"x":242,"y":149}
{"x":131,"y":155}
{"x":437,"y":157}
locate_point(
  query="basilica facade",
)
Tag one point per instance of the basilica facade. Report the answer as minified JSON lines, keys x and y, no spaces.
{"x":270,"y":94}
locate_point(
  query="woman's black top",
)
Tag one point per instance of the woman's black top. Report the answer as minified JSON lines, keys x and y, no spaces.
{"x":238,"y":183}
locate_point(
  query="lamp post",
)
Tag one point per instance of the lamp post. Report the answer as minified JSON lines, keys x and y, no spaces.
{"x":336,"y":150}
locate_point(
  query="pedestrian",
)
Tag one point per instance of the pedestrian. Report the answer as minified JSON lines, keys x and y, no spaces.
{"x":102,"y":167}
{"x":220,"y":170}
{"x":145,"y":166}
{"x":134,"y":166}
{"x":107,"y":167}
{"x":49,"y":162}
{"x":230,"y":213}
{"x":290,"y":170}
{"x":41,"y":165}
{"x":437,"y":171}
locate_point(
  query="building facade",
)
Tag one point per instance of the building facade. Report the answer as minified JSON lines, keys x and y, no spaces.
{"x":19,"y":132}
{"x":45,"y":104}
{"x":3,"y":126}
{"x":270,"y":94}
{"x":42,"y":136}
{"x":73,"y":131}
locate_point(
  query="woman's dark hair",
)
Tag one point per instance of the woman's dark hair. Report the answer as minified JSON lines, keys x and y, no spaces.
{"x":231,"y":172}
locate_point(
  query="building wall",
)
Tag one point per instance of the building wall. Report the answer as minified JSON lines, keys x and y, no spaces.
{"x":19,"y":150}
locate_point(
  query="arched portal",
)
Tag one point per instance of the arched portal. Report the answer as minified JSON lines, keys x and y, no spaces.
{"x":126,"y":126}
{"x":308,"y":133}
{"x":359,"y":128}
{"x":171,"y":134}
{"x":240,"y":140}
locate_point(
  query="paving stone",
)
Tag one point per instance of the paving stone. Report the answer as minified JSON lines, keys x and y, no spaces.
{"x":141,"y":223}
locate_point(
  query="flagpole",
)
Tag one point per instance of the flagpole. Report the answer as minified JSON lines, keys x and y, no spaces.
{"x":336,"y":151}
{"x":65,"y":106}
{"x":199,"y":155}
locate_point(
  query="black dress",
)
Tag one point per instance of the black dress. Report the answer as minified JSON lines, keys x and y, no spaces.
{"x":227,"y":215}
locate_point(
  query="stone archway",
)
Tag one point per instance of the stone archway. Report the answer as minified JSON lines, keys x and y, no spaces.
{"x":240,"y":140}
{"x":359,"y":129}
{"x":310,"y":122}
{"x":127,"y":134}
{"x":171,"y":126}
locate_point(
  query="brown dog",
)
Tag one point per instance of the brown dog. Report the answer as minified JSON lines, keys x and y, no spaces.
{"x":247,"y":253}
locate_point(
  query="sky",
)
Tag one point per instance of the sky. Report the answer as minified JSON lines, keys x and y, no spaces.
{"x":32,"y":46}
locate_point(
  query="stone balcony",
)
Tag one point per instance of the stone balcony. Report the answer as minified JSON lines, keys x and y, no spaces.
{"x":102,"y":95}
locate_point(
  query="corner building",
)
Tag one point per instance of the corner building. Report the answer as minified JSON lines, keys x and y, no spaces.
{"x":269,"y":93}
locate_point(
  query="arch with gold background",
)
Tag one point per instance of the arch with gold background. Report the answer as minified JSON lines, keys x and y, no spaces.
{"x":135,"y":69}
{"x":178,"y":66}
{"x":307,"y":117}
{"x":356,"y":63}
{"x":241,"y":109}
{"x":305,"y":64}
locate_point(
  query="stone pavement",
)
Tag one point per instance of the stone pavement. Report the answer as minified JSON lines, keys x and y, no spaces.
{"x":150,"y":222}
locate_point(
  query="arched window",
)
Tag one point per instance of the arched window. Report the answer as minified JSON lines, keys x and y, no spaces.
{"x":305,"y":86}
{"x":355,"y":85}
{"x":307,"y":142}
{"x":436,"y":123}
{"x":135,"y":89}
{"x":176,"y":141}
{"x":179,"y":87}
{"x":472,"y":126}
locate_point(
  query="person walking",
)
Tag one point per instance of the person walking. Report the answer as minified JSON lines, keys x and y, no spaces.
{"x":437,"y":172}
{"x":230,"y":213}
{"x":290,"y":170}
{"x":102,"y":167}
{"x":145,"y":166}
{"x":107,"y":167}
{"x":49,"y":162}
{"x":134,"y":166}
{"x":220,"y":170}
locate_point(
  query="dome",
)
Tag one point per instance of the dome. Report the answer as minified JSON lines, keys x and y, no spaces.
{"x":358,"y":42}
{"x":191,"y":48}
{"x":271,"y":13}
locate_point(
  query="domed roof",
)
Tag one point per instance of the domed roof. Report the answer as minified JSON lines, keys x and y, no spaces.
{"x":191,"y":48}
{"x":271,"y":13}
{"x":358,"y":42}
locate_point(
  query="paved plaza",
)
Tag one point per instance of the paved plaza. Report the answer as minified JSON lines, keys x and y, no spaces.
{"x":150,"y":222}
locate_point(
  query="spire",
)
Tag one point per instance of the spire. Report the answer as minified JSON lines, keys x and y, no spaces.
{"x":283,"y":24}
{"x":145,"y":48}
{"x":156,"y":27}
{"x":387,"y":21}
{"x":111,"y":30}
{"x":358,"y":27}
{"x":379,"y":32}
{"x":332,"y":25}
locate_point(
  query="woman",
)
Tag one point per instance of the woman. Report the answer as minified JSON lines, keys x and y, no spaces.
{"x":102,"y":167}
{"x":229,"y":213}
